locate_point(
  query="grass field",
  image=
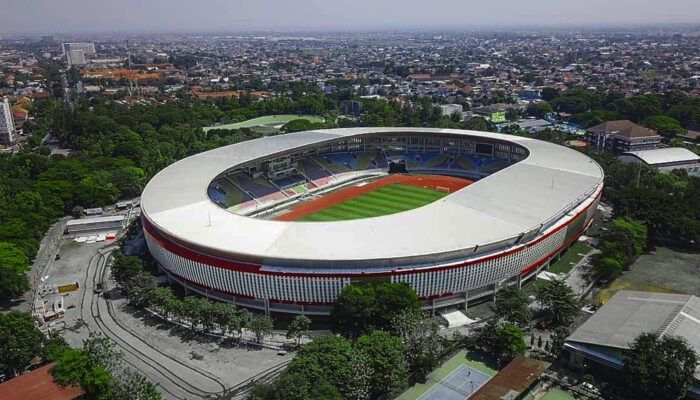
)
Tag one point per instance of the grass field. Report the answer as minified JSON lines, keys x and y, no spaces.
{"x":389,"y":199}
{"x":571,"y":258}
{"x":266,"y":121}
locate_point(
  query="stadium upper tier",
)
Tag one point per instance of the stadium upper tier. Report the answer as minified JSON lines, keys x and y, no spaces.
{"x":528,"y":186}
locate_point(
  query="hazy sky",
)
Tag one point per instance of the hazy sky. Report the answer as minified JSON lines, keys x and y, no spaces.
{"x":57,"y":16}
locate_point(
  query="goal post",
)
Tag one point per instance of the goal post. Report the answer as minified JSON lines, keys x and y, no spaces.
{"x":442,"y":189}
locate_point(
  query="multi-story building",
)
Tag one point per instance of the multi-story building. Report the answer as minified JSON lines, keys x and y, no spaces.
{"x":449,"y":109}
{"x":7,"y":124}
{"x":621,"y":136}
{"x":75,"y":52}
{"x":87,"y":48}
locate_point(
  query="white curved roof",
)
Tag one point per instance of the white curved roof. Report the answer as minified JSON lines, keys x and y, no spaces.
{"x":663,"y":156}
{"x":499,"y":207}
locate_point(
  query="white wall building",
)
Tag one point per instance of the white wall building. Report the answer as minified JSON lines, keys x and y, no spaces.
{"x":7,"y":124}
{"x":665,"y":160}
{"x":75,"y":52}
{"x":449,"y":109}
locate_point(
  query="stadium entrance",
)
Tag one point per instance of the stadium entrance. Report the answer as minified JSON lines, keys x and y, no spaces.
{"x":397,"y":164}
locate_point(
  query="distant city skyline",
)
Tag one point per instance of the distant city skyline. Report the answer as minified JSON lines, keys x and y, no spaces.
{"x":73,"y":16}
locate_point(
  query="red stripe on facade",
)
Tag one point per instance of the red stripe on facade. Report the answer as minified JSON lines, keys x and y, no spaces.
{"x":162,"y":240}
{"x":573,"y":237}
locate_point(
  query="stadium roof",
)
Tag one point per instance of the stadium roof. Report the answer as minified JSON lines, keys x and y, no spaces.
{"x":630,"y":313}
{"x":549,"y":183}
{"x":664,"y":156}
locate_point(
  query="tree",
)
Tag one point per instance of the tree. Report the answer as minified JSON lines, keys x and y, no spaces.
{"x":387,"y":362}
{"x":664,"y":125}
{"x":196,"y":310}
{"x":659,"y":368}
{"x":298,"y":327}
{"x":124,"y":268}
{"x":503,"y":341}
{"x":261,"y":326}
{"x":559,"y":300}
{"x":77,"y":211}
{"x":128,"y":180}
{"x":223,"y":315}
{"x":54,"y":347}
{"x":298,"y":125}
{"x":422,"y":340}
{"x":20,"y":340}
{"x":539,"y":110}
{"x":549,"y":93}
{"x":14,"y":265}
{"x":139,"y":287}
{"x":392,"y":299}
{"x":558,"y":338}
{"x":99,"y":350}
{"x":331,"y":359}
{"x":133,"y":385}
{"x":512,"y":306}
{"x":360,"y":308}
{"x":476,"y":124}
{"x":74,"y":366}
{"x":353,"y":310}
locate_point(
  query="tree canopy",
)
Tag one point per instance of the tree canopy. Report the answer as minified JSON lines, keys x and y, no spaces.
{"x":14,"y":265}
{"x":659,"y":368}
{"x":20,"y":341}
{"x":360,"y":308}
{"x":512,"y":306}
{"x":558,"y":298}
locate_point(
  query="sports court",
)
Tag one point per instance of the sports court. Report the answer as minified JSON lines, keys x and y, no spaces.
{"x":453,"y":379}
{"x":385,"y":196}
{"x":458,"y":385}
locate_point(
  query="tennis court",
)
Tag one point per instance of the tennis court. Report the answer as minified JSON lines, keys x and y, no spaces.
{"x":458,"y":385}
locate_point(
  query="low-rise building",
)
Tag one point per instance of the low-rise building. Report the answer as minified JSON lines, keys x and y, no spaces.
{"x":665,"y":160}
{"x":515,"y":381}
{"x":83,"y":226}
{"x":449,"y":109}
{"x":622,"y":135}
{"x":598,"y":346}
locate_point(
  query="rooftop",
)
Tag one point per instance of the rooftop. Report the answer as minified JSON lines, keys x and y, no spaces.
{"x":514,"y":379}
{"x":664,"y":156}
{"x":551,"y":182}
{"x":38,"y":385}
{"x":625,"y":128}
{"x":630,"y":313}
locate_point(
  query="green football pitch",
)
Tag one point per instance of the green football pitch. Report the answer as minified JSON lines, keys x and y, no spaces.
{"x":389,"y":199}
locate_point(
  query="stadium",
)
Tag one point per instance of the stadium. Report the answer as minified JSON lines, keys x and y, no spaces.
{"x":282,"y":223}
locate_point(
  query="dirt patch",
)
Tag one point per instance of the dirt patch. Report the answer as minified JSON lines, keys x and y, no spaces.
{"x":434,"y":182}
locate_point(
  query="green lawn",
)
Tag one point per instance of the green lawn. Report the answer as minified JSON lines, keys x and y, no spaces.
{"x":266,"y":120}
{"x":570,"y":258}
{"x":445,"y":369}
{"x":559,"y":394}
{"x":389,"y":199}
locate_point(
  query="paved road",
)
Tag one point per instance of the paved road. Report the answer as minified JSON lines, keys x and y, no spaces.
{"x":175,"y":379}
{"x":175,"y":376}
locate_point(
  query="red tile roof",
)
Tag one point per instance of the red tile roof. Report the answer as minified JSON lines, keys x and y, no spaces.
{"x":38,"y":385}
